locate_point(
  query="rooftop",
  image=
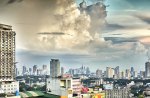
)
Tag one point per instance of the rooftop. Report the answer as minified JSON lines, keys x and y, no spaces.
{"x":5,"y":27}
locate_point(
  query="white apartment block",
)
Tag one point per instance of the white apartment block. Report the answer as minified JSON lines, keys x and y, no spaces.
{"x":64,"y":86}
{"x":9,"y":87}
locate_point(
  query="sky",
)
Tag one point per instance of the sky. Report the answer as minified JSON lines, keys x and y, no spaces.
{"x":79,"y":38}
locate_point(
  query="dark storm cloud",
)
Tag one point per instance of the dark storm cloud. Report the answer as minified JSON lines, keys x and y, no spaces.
{"x":13,"y":1}
{"x":51,"y":33}
{"x":116,"y":34}
{"x":118,"y":40}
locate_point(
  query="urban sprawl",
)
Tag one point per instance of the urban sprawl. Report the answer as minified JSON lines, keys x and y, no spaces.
{"x":58,"y":82}
{"x":75,"y":83}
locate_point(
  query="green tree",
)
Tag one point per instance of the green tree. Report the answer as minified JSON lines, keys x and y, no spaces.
{"x":22,"y":87}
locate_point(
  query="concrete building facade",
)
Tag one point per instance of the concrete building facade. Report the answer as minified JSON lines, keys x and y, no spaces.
{"x":117,"y":93}
{"x":98,"y":73}
{"x":54,"y":68}
{"x":7,"y":53}
{"x":7,"y":60}
{"x":64,"y":86}
{"x":110,"y":72}
{"x":34,"y":69}
{"x":147,"y":69}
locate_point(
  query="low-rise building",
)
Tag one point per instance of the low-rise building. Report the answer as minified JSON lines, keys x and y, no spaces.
{"x":117,"y":93}
{"x":64,"y":86}
{"x":8,"y":87}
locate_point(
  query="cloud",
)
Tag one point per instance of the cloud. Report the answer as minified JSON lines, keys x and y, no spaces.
{"x":139,"y":48}
{"x":145,"y":40}
{"x":144,"y":17}
{"x":51,"y":33}
{"x":56,"y":18}
{"x":13,"y":1}
{"x":118,"y":40}
{"x":70,"y":34}
{"x":112,"y":27}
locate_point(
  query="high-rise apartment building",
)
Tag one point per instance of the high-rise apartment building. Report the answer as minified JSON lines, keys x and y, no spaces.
{"x":128,"y":74}
{"x":7,"y":53}
{"x":122,"y":75}
{"x":98,"y":73}
{"x":117,"y":72}
{"x":34,"y":69}
{"x":24,"y":70}
{"x":39,"y":72}
{"x":110,"y":72}
{"x":135,"y":74}
{"x":44,"y":67}
{"x":54,"y":67}
{"x":142,"y":74}
{"x":87,"y":71}
{"x":7,"y":60}
{"x":147,"y":69}
{"x":62,"y":70}
{"x":44,"y":70}
{"x":132,"y":72}
{"x":30,"y":71}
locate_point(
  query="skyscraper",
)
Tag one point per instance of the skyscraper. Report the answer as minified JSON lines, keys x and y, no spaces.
{"x":142,"y":74}
{"x":16,"y":72}
{"x":24,"y":70}
{"x":7,"y":53}
{"x":87,"y":71}
{"x":117,"y":72}
{"x":132,"y":72}
{"x":44,"y":67}
{"x":122,"y":75}
{"x":54,"y":68}
{"x":128,"y":74}
{"x":110,"y":72}
{"x":34,"y":69}
{"x":44,"y":70}
{"x":7,"y":60}
{"x":147,"y":69}
{"x":98,"y":73}
{"x":30,"y":71}
{"x":62,"y":70}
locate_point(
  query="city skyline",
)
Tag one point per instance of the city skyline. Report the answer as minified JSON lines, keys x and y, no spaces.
{"x":123,"y":42}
